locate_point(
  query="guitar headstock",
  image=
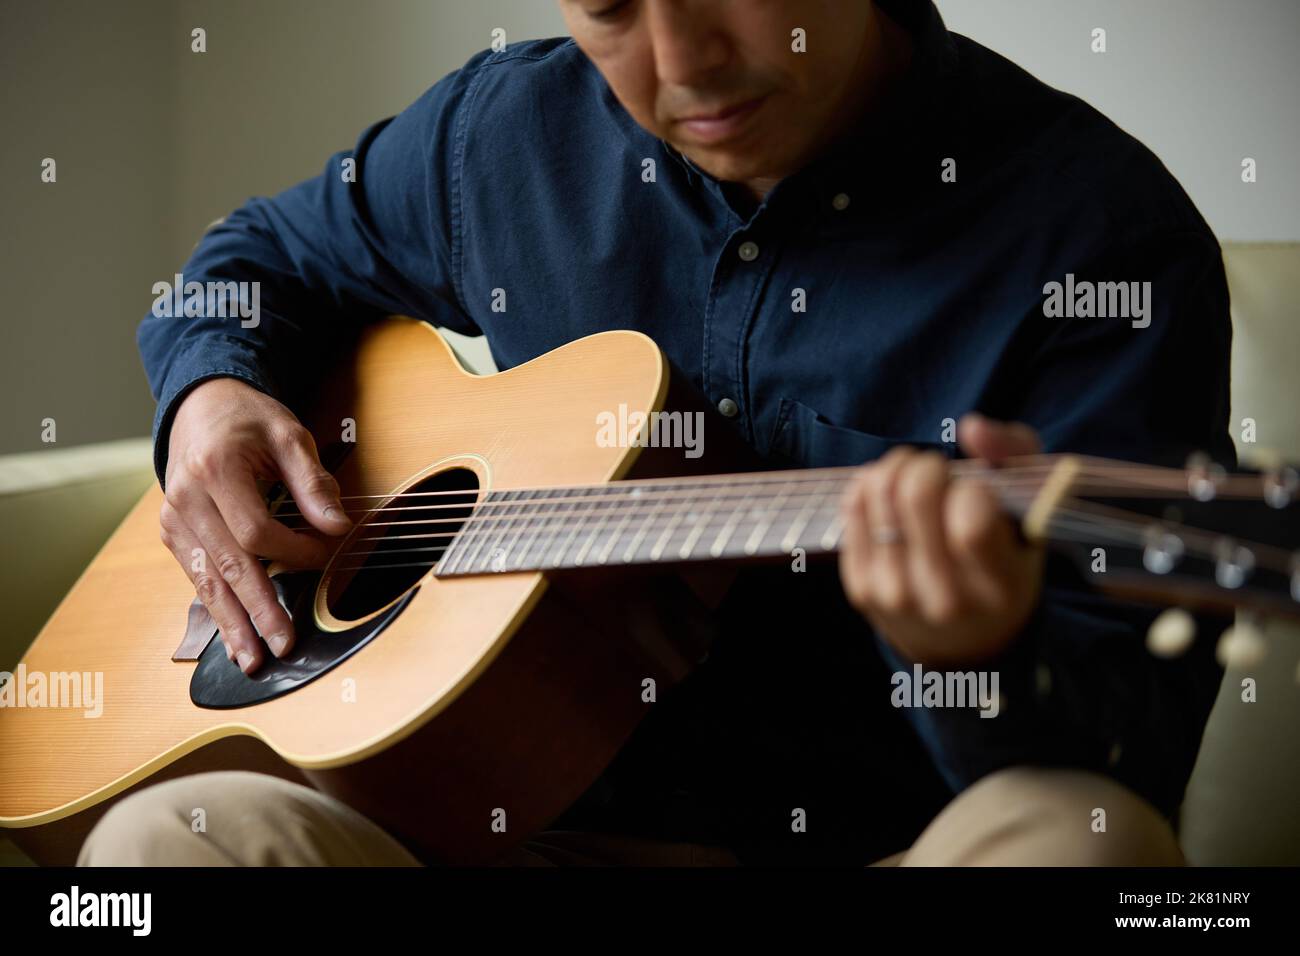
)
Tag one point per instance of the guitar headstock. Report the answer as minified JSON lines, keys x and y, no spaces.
{"x":1199,"y":537}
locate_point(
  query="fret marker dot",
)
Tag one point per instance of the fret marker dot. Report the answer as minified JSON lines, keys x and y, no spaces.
{"x":840,"y":202}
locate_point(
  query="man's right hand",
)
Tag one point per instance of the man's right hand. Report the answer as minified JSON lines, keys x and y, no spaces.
{"x":224,"y":437}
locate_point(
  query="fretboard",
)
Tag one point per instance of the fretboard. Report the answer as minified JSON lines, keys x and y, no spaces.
{"x":657,"y":522}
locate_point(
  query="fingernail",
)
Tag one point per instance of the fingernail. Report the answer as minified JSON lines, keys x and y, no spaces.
{"x":230,"y":651}
{"x":279,"y":643}
{"x":335,"y":513}
{"x":245,"y":661}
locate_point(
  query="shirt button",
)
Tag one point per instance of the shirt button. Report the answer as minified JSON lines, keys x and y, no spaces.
{"x":748,"y":251}
{"x":841,"y":202}
{"x":728,"y":408}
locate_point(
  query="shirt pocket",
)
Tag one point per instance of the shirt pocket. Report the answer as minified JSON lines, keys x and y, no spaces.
{"x":804,"y":436}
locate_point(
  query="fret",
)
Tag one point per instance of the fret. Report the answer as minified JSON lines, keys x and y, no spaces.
{"x":632,"y":497}
{"x":657,"y":551}
{"x":488,"y":525}
{"x":728,"y":529}
{"x":646,"y":522}
{"x":755,"y":538}
{"x":556,"y":526}
{"x":559,"y":555}
{"x":791,"y":539}
{"x":492,"y":529}
{"x":453,"y":559}
{"x":830,"y":505}
{"x":825,"y":510}
{"x":524,"y":518}
{"x":701,"y":523}
{"x":604,"y":508}
{"x":449,"y":556}
{"x":546,"y":514}
{"x":831,"y":536}
{"x":494,"y":556}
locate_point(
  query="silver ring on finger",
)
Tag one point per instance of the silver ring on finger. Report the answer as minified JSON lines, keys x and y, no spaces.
{"x":886,"y":535}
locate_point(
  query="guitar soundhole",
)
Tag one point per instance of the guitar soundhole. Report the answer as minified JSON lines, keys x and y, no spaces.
{"x":398,"y":543}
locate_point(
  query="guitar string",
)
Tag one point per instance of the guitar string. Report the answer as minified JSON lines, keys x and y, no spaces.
{"x":555,"y":519}
{"x":1060,"y":530}
{"x":624,"y":504}
{"x":621,"y":490}
{"x":1118,"y":471}
{"x":1123,"y":528}
{"x":1085,"y":532}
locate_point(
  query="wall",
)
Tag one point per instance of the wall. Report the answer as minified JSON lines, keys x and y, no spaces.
{"x":153,"y":141}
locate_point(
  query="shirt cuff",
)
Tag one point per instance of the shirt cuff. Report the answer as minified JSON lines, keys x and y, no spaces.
{"x":225,"y":357}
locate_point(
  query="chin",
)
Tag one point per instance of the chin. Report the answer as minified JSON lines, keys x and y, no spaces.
{"x":730,"y":165}
{"x":744,"y":160}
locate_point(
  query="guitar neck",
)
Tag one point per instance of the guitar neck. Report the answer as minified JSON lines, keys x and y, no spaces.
{"x":668,"y":521}
{"x":1170,"y":535}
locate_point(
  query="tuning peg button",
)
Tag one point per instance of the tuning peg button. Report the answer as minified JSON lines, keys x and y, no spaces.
{"x":1280,"y":486}
{"x":1241,"y":646}
{"x":1163,"y":550}
{"x":1171,"y":633}
{"x":1234,"y":563}
{"x":1203,"y":476}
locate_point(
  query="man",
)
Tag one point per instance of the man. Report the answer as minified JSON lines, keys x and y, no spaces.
{"x":841,"y":222}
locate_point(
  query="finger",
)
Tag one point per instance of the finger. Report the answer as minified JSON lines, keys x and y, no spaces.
{"x":994,"y":441}
{"x":258,"y":605}
{"x":854,"y":558}
{"x":244,"y":512}
{"x":922,"y":487}
{"x":313,"y":488}
{"x":982,"y":542}
{"x":888,"y":565}
{"x":184,"y":546}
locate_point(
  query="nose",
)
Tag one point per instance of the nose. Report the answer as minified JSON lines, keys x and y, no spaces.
{"x":687,"y":40}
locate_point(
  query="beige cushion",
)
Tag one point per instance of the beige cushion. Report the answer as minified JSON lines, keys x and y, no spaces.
{"x":57,"y":507}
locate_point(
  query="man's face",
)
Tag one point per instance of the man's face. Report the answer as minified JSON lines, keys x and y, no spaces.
{"x":722,"y":81}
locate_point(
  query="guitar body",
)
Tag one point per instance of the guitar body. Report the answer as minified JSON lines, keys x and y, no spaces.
{"x":495,"y":698}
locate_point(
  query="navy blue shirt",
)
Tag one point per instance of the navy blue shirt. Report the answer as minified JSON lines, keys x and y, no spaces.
{"x":891,"y":286}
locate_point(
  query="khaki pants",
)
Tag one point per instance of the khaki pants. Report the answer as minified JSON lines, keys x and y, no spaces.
{"x":1019,"y":816}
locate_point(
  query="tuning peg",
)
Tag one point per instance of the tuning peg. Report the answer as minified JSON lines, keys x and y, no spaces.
{"x":1233,"y":563}
{"x":1241,"y":646}
{"x":1163,"y":549}
{"x":1203,"y":476}
{"x":1280,"y":485}
{"x":1171,"y":633}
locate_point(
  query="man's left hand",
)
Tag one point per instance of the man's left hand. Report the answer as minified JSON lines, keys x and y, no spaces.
{"x":935,"y":565}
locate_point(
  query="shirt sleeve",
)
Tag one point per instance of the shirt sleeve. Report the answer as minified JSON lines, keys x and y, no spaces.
{"x":376,"y":233}
{"x":1078,"y":686}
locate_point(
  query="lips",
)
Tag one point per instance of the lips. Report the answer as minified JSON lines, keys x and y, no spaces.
{"x":721,"y":125}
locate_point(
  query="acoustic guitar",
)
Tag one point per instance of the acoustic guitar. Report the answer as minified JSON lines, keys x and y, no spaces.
{"x":531,"y":551}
